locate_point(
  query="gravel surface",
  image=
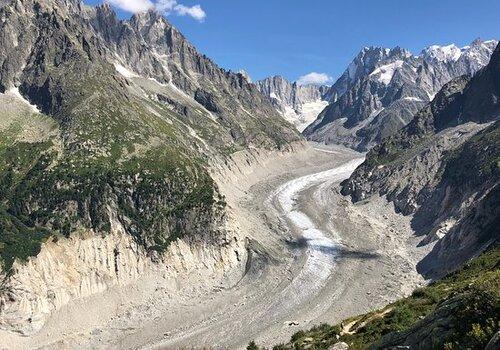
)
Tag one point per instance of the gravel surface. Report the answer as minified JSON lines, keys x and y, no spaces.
{"x":313,"y":257}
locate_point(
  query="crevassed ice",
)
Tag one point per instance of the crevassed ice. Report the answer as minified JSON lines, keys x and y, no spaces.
{"x":321,"y":248}
{"x":308,"y":114}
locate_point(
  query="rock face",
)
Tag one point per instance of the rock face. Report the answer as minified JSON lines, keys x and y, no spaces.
{"x":84,"y":266}
{"x":299,"y":104}
{"x":443,"y":168}
{"x":382,"y":89}
{"x":108,"y":130}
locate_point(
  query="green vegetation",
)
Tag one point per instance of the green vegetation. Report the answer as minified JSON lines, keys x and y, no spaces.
{"x":477,"y":160}
{"x":252,"y":346}
{"x":460,"y":311}
{"x":114,"y":159}
{"x":41,"y":196}
{"x":110,"y":154}
{"x":18,"y":241}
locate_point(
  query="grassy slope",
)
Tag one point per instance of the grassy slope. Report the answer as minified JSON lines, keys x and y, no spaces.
{"x":460,"y":311}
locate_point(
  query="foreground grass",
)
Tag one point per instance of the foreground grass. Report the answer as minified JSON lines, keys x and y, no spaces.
{"x":460,"y":311}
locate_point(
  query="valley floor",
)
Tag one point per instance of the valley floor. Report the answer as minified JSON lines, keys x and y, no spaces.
{"x":313,"y":257}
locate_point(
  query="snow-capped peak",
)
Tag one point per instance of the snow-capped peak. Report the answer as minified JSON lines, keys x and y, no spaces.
{"x":452,"y":53}
{"x":448,"y":53}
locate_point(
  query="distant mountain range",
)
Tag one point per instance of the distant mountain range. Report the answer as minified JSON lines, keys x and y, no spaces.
{"x":444,"y":169}
{"x":382,"y":89}
{"x":298,"y":104}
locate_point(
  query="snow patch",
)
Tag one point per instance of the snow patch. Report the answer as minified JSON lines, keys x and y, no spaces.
{"x":412,"y":98}
{"x":15,"y":92}
{"x":386,"y":72}
{"x":449,"y":53}
{"x":310,"y":112}
{"x":492,"y":43}
{"x":273,"y":95}
{"x":157,"y":82}
{"x":124,"y":71}
{"x":307,"y":114}
{"x":431,"y":95}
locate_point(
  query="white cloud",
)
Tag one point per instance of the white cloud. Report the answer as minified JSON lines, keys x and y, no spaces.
{"x":315,"y":78}
{"x":133,"y":6}
{"x":194,"y":11}
{"x":166,"y":6}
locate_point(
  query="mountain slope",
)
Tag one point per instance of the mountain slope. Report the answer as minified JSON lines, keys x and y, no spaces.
{"x":298,"y":104}
{"x":152,"y":48}
{"x":382,"y":89}
{"x":108,"y":129}
{"x":443,"y":169}
{"x":460,"y":310}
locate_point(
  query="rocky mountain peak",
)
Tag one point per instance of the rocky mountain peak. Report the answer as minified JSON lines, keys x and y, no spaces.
{"x":147,"y":19}
{"x":475,"y":55}
{"x":154,"y":28}
{"x":245,"y":75}
{"x":453,"y":142}
{"x":442,"y":53}
{"x":382,"y":89}
{"x":365,"y":62}
{"x":62,"y":7}
{"x":299,"y":104}
{"x":129,"y":116}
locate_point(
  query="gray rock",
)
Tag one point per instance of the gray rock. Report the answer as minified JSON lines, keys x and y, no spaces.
{"x":133,"y":116}
{"x":494,"y":343}
{"x":339,"y":346}
{"x":287,"y":96}
{"x":382,"y":89}
{"x":286,"y":93}
{"x":441,"y":169}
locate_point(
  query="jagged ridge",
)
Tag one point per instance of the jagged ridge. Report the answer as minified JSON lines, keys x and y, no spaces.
{"x":443,"y":169}
{"x":382,"y":89}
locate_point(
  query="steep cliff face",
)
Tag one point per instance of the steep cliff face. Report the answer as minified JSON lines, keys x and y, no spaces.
{"x":151,"y":47}
{"x":107,"y":132}
{"x":382,"y":89}
{"x":299,"y":104}
{"x":443,"y":169}
{"x":291,"y":94}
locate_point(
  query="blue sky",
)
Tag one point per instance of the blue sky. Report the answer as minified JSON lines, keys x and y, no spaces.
{"x":296,"y":37}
